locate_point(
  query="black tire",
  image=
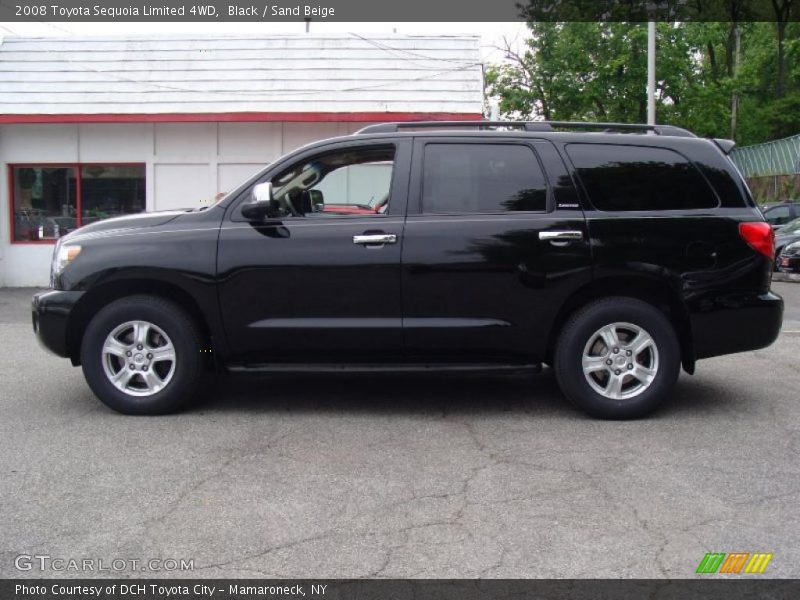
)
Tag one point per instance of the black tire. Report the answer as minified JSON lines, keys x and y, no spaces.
{"x":581,"y":327}
{"x":178,"y":327}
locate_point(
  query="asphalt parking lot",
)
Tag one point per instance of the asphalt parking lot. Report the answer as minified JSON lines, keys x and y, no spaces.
{"x":401,"y":477}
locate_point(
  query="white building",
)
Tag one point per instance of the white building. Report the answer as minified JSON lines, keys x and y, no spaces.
{"x":95,"y":127}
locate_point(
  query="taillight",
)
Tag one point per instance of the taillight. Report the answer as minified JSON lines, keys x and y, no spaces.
{"x":760,"y":237}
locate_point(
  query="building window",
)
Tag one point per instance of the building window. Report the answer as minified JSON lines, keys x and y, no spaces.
{"x":49,"y":201}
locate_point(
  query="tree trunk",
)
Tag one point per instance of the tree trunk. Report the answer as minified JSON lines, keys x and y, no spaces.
{"x":781,"y":82}
{"x":712,"y":61}
{"x":782,"y":12}
{"x":545,"y":105}
{"x":730,"y":44}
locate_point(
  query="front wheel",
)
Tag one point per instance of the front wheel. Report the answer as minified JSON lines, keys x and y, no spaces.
{"x":617,"y":358}
{"x":141,"y":355}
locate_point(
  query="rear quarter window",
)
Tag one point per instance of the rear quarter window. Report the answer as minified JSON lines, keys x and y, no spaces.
{"x":639,"y":178}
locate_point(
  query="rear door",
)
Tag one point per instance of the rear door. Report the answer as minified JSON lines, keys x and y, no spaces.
{"x":495,"y":241}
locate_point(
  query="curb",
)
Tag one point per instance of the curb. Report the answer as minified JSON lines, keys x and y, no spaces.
{"x":791,"y":277}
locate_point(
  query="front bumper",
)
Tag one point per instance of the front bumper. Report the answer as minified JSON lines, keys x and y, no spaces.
{"x":789,"y":264}
{"x":736,"y":323}
{"x":51,"y":310}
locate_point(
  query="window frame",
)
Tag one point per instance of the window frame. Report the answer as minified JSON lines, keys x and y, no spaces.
{"x":78,"y":166}
{"x":418,"y":171}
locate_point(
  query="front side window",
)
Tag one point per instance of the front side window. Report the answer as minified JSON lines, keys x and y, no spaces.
{"x":482,"y":178}
{"x":630,"y":178}
{"x":354,"y":181}
{"x":51,"y":201}
{"x":778,"y":215}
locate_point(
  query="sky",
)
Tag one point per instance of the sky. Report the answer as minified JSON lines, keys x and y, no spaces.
{"x":492,"y":34}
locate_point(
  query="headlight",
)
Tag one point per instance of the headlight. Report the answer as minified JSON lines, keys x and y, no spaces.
{"x":63,"y":254}
{"x":794,"y":246}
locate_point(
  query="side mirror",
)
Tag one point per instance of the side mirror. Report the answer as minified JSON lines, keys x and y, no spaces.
{"x":260,"y":204}
{"x":317,"y":200}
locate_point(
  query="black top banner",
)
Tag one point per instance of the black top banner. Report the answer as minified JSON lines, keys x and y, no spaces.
{"x":396,"y":589}
{"x":406,"y":11}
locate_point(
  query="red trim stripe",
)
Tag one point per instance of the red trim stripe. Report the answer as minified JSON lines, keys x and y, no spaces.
{"x":242,"y":117}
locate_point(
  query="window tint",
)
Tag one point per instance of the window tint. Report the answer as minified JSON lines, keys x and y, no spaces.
{"x":482,"y":178}
{"x":621,"y":178}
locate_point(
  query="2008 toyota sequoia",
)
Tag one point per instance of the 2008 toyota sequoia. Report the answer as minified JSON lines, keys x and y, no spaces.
{"x":613,"y":253}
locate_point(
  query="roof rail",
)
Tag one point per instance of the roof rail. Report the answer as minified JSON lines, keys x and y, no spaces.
{"x":669,"y":130}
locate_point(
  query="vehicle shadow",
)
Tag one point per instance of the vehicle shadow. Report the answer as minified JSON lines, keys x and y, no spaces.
{"x":705,"y":397}
{"x":387,"y":394}
{"x":525,"y":394}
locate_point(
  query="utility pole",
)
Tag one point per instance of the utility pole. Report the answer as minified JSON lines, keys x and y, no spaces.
{"x":651,"y":73}
{"x":737,"y":49}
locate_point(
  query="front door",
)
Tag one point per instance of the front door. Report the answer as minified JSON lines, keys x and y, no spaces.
{"x":495,"y":241}
{"x":320,"y":282}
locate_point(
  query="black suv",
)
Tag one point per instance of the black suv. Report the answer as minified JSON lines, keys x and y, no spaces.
{"x":614,"y":253}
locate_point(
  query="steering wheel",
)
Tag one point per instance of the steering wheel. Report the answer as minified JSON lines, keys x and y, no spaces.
{"x":290,"y":205}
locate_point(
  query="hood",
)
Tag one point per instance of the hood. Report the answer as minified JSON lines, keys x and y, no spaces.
{"x":127,"y":222}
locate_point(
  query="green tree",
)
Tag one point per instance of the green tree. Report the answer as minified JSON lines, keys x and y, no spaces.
{"x":588,"y":70}
{"x":597,"y":71}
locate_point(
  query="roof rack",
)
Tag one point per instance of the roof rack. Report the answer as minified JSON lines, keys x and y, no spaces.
{"x":669,"y":130}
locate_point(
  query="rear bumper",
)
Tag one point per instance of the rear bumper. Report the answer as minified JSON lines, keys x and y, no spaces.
{"x":736,"y":323}
{"x":50,"y":312}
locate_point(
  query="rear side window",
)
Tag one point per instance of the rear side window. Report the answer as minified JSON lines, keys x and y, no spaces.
{"x":624,"y":178}
{"x":482,"y":178}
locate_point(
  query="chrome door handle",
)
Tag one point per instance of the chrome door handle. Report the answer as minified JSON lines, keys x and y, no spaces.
{"x":375,"y":238}
{"x":560,"y":236}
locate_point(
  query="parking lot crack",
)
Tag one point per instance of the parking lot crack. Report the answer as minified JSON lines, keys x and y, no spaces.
{"x":221,"y":469}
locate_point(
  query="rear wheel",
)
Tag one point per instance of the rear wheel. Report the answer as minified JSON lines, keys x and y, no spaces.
{"x":617,"y":358}
{"x":141,"y":355}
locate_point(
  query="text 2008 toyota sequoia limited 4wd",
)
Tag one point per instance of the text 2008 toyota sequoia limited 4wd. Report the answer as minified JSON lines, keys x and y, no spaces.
{"x":614,"y":253}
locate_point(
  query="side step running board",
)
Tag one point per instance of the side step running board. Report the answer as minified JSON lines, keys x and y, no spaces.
{"x":384,"y":368}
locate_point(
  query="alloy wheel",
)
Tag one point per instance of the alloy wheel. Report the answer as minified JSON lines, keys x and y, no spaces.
{"x":139,"y":358}
{"x":620,"y":361}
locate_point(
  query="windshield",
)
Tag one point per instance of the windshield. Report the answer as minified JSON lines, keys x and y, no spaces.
{"x":791,"y":227}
